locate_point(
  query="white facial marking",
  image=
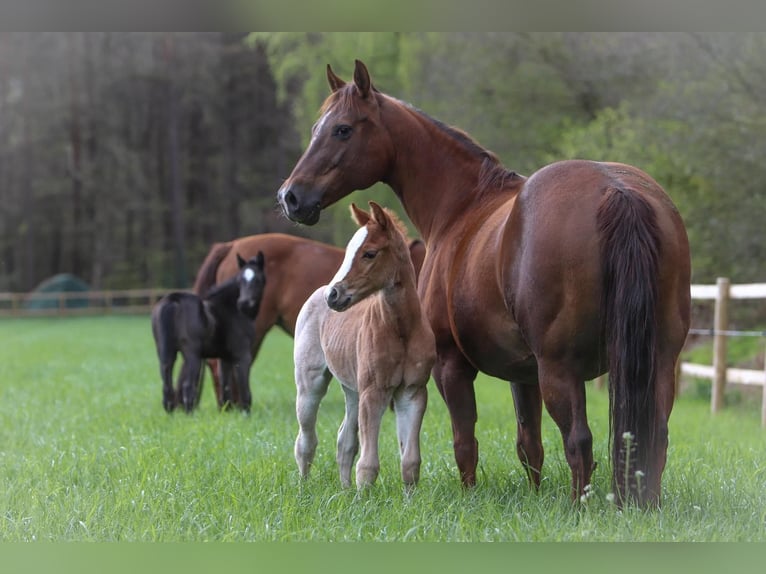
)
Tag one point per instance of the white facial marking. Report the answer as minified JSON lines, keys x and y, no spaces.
{"x":319,"y":125}
{"x":353,"y":246}
{"x":248,"y":274}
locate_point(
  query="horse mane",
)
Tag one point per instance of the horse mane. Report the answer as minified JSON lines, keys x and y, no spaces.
{"x":207,"y":272}
{"x":398,"y":224}
{"x":222,"y":290}
{"x":493,"y":174}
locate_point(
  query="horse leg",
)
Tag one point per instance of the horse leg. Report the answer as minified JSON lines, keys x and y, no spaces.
{"x":650,"y":486}
{"x":348,"y":436}
{"x":528,"y":405}
{"x":454,"y":377}
{"x":214,"y":371}
{"x":242,"y":370}
{"x":226,"y":375}
{"x":373,"y":402}
{"x":311,"y":386}
{"x":169,"y":399}
{"x":409,"y":407}
{"x":564,"y":398}
{"x":190,"y":375}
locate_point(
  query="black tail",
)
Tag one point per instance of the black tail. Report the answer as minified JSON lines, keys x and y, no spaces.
{"x":207,"y":272}
{"x":630,"y":256}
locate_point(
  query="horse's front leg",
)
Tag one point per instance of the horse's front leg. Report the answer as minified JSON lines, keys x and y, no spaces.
{"x":410,"y":406}
{"x":529,"y":445}
{"x":242,"y":370}
{"x":373,"y":401}
{"x":311,"y":385}
{"x":348,"y":436}
{"x":226,"y":375}
{"x":454,"y":377}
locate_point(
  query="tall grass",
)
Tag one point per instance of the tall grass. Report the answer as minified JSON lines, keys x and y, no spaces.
{"x":87,"y":453}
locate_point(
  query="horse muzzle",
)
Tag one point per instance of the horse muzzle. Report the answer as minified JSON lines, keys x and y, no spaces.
{"x":297,"y":205}
{"x":338,"y":299}
{"x":248,"y":308}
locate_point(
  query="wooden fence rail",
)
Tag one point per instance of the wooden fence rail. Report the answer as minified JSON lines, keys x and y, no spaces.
{"x":142,"y":300}
{"x":76,"y":303}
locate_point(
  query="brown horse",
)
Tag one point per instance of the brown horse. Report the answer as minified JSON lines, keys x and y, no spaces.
{"x":367,"y":329}
{"x":295,"y":267}
{"x":545,"y":281}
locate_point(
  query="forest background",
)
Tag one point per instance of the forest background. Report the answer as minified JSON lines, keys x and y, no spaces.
{"x":123,"y":156}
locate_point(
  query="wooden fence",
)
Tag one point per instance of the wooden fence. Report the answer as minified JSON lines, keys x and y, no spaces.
{"x":77,"y":303}
{"x":142,"y":300}
{"x":719,"y":373}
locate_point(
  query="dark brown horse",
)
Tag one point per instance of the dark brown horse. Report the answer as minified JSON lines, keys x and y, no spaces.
{"x":545,"y":281}
{"x":219,"y":325}
{"x":295,"y":267}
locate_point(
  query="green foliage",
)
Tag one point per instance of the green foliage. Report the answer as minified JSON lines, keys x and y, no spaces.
{"x":88,"y":454}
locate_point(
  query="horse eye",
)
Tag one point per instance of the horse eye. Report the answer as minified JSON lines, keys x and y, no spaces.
{"x":342,"y":131}
{"x":369,"y":254}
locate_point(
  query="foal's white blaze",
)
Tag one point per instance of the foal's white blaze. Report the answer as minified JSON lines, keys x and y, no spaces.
{"x":248,"y":274}
{"x":353,"y":246}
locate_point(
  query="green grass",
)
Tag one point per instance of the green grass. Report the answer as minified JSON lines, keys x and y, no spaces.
{"x":87,"y":453}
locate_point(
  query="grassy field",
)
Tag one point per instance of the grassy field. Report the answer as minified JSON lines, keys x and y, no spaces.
{"x":87,"y":453}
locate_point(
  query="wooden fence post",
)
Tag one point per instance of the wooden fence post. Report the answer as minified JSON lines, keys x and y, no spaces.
{"x":720,"y":324}
{"x":763,"y":398}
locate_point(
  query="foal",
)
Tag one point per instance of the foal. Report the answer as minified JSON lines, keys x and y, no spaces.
{"x":366,"y":328}
{"x":218,"y":325}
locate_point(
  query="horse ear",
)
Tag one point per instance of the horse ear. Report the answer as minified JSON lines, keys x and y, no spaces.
{"x":335,"y":82}
{"x":360,"y":216}
{"x":379,"y":215}
{"x":241,"y":262}
{"x":362,"y":79}
{"x":259,"y":260}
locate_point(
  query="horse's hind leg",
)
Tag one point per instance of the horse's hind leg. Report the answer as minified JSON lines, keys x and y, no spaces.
{"x":564,"y":398}
{"x":189,"y":380}
{"x":528,"y":404}
{"x":348,"y":437}
{"x":311,"y":386}
{"x":410,"y":406}
{"x":169,"y":399}
{"x":650,"y":489}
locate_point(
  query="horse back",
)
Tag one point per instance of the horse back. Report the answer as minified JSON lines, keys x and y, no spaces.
{"x":295,"y":267}
{"x":179,"y":320}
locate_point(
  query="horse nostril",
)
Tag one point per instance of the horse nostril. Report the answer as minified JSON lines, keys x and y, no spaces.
{"x":290,"y":199}
{"x":332,"y":296}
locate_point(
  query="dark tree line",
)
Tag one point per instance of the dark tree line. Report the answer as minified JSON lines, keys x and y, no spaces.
{"x":123,"y":156}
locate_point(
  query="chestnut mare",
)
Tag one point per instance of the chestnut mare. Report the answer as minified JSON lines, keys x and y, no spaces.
{"x":545,"y":281}
{"x":295,"y":267}
{"x":379,"y":345}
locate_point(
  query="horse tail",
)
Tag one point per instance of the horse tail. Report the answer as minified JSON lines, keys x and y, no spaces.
{"x":630,"y":244}
{"x":164,"y":325}
{"x":207,"y":272}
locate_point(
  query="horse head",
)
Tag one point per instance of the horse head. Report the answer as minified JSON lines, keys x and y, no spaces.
{"x":373,"y":256}
{"x":251,"y":280}
{"x":349,"y":149}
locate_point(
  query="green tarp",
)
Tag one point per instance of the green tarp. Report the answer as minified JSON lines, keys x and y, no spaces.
{"x":61,"y":283}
